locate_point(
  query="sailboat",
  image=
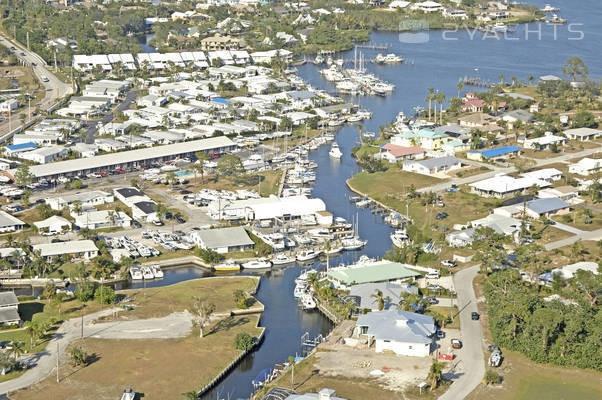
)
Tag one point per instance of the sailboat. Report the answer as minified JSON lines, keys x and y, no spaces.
{"x":335,"y":152}
{"x":354,"y":242}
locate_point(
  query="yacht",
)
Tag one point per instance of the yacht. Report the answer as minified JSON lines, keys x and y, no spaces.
{"x":157,"y":272}
{"x":549,"y":9}
{"x":392,"y":59}
{"x":329,"y":60}
{"x":302,"y":239}
{"x":307,"y":302}
{"x":365,"y":114}
{"x":135,"y":273}
{"x":282,"y":259}
{"x":260,"y":263}
{"x":307,"y":255}
{"x":499,"y":27}
{"x":354,"y":243}
{"x":147,"y":273}
{"x":556,"y":20}
{"x":319,"y":59}
{"x":400,"y":238}
{"x":228,"y":266}
{"x":299,"y":290}
{"x":336,"y":249}
{"x":335,"y":152}
{"x":335,"y":122}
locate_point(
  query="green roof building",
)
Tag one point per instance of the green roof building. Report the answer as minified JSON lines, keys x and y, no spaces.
{"x":379,"y":271}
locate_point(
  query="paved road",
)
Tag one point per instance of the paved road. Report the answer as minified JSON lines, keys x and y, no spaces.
{"x":45,"y":362}
{"x":472,"y":371}
{"x":583,"y":235}
{"x":124,"y":105}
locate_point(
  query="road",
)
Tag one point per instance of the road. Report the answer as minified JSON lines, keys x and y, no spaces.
{"x":473,"y":359}
{"x":55,"y":88}
{"x":124,"y":105}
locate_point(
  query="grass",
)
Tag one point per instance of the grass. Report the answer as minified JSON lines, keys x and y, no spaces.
{"x":469,"y":171}
{"x":161,"y":369}
{"x":449,"y":311}
{"x":390,"y":183}
{"x":576,"y":219}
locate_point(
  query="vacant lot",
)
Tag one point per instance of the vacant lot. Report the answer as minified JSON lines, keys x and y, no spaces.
{"x":269,"y":182}
{"x":393,"y":182}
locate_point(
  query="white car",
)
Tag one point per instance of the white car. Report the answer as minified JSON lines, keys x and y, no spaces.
{"x":449,"y":263}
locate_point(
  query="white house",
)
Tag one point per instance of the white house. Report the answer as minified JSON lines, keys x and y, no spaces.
{"x":8,"y":223}
{"x":569,"y":271}
{"x":432,"y":166}
{"x":403,"y":332}
{"x":546,"y":174}
{"x":53,"y":225}
{"x":223,"y":240}
{"x":428,"y":6}
{"x":102,"y":219}
{"x":9,"y":309}
{"x":86,"y":199}
{"x":583,"y":134}
{"x":44,"y":155}
{"x":504,"y":185}
{"x":586,"y":167}
{"x":544,"y":142}
{"x":79,"y":249}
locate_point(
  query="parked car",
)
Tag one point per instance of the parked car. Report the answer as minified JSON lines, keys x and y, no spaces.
{"x":432,"y":300}
{"x":432,"y":275}
{"x":475,"y":316}
{"x":180,"y":219}
{"x":441,"y":215}
{"x":456,"y":343}
{"x":449,"y":263}
{"x":136,"y":224}
{"x":434,"y":286}
{"x":452,"y":189}
{"x":102,"y":174}
{"x":440,"y":334}
{"x":185,"y":192}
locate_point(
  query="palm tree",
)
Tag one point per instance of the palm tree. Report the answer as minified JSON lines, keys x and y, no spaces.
{"x":435,"y":374}
{"x":360,"y":128}
{"x":502,"y":77}
{"x":327,"y":252}
{"x":379,"y":299}
{"x":429,"y":98}
{"x":77,"y":207}
{"x":459,"y":86}
{"x":18,"y":349}
{"x":441,"y":99}
{"x":160,"y":210}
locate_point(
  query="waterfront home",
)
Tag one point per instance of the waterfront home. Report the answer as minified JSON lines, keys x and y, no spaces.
{"x":362,"y":294}
{"x":501,"y":224}
{"x":53,"y":225}
{"x":483,"y":122}
{"x":266,"y":208}
{"x":544,"y":142}
{"x":426,"y":138}
{"x":547,"y":207}
{"x":427,"y":6}
{"x":102,"y":219}
{"x":8,"y":223}
{"x":370,"y":272}
{"x":402,"y":332}
{"x":453,"y":13}
{"x":432,"y":166}
{"x":75,"y":249}
{"x":223,"y":240}
{"x":85,"y":199}
{"x":569,"y":271}
{"x":586,"y":166}
{"x":505,"y":185}
{"x":494,"y":153}
{"x":398,"y":4}
{"x":394,"y":153}
{"x":582,"y":134}
{"x":9,"y":309}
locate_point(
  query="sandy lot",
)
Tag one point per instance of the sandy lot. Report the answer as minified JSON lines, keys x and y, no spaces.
{"x":175,"y":325}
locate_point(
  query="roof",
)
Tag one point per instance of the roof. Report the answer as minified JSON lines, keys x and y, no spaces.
{"x":75,"y":246}
{"x":224,"y":237}
{"x":547,"y":205}
{"x":506,"y":184}
{"x":9,"y":314}
{"x":400,"y":151}
{"x":129,"y":192}
{"x":435,"y":162}
{"x":8,"y":220}
{"x":374,"y":272}
{"x":147,"y":207}
{"x":8,"y":298}
{"x":498,"y":151}
{"x":578,"y":132}
{"x":568,"y":271}
{"x":391,"y":291}
{"x":54,"y":220}
{"x":83,"y":196}
{"x":21,"y":146}
{"x":106,"y":160}
{"x":399,"y":326}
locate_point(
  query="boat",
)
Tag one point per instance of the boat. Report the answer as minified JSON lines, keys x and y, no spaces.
{"x":319,"y":59}
{"x":353,"y":243}
{"x":265,"y":376}
{"x":329,"y":60}
{"x":335,"y":152}
{"x":306,"y":255}
{"x":549,"y":9}
{"x":307,"y":302}
{"x":400,"y":238}
{"x":282,"y":259}
{"x":135,"y":273}
{"x":392,"y":59}
{"x":363,"y":203}
{"x":335,"y":249}
{"x":260,"y":263}
{"x":379,"y":59}
{"x":157,"y":272}
{"x":499,"y":27}
{"x":228,"y":266}
{"x":299,"y":290}
{"x":355,"y":118}
{"x":147,"y":273}
{"x":335,"y":122}
{"x":556,"y":20}
{"x":302,"y":279}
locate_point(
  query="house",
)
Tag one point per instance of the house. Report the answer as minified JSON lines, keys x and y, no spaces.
{"x":398,"y":4}
{"x":484,"y":122}
{"x":84,"y":200}
{"x":586,"y":167}
{"x":392,"y":293}
{"x":129,"y":195}
{"x":569,"y":194}
{"x":497,"y":152}
{"x":223,"y":240}
{"x":102,"y":219}
{"x":569,"y":271}
{"x":505,"y":185}
{"x":279,"y":393}
{"x":370,"y":272}
{"x":53,"y":225}
{"x":13,"y":150}
{"x":426,"y":138}
{"x":432,"y":166}
{"x":453,"y":13}
{"x":502,"y":225}
{"x":582,"y":134}
{"x":402,"y":332}
{"x":78,"y":249}
{"x":9,"y":105}
{"x":85,"y":150}
{"x":517,"y":115}
{"x":394,"y":153}
{"x":144,"y":210}
{"x":9,"y":309}
{"x":266,"y":208}
{"x":545,"y":174}
{"x":544,"y":142}
{"x":44,"y":155}
{"x":547,"y":207}
{"x":428,"y":6}
{"x":461,"y":238}
{"x":219,"y":42}
{"x":8,"y":223}
{"x":151,"y":101}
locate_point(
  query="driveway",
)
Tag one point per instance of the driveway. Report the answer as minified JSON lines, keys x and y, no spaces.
{"x":468,"y":376}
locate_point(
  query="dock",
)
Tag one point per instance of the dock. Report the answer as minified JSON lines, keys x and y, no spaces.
{"x":384,"y":46}
{"x":472,"y":81}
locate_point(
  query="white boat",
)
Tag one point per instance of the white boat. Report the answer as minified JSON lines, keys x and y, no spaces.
{"x":335,"y":250}
{"x":300,"y":290}
{"x":260,"y":263}
{"x":335,"y":152}
{"x":228,"y":266}
{"x":147,"y":273}
{"x":354,"y":118}
{"x":135,"y":273}
{"x":335,"y":122}
{"x":549,"y":9}
{"x":307,"y":302}
{"x":302,"y":239}
{"x":400,"y":238}
{"x":329,"y":60}
{"x":307,"y":255}
{"x":365,"y":114}
{"x":556,"y":20}
{"x":353,"y":243}
{"x":302,"y":279}
{"x":363,"y":203}
{"x":500,"y":27}
{"x":157,"y":272}
{"x":282,"y":259}
{"x":319,"y":59}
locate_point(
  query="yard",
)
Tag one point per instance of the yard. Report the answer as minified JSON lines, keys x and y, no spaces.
{"x":390,"y":185}
{"x":581,"y":218}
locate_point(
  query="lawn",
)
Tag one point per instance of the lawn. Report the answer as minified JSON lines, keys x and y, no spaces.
{"x":449,"y":311}
{"x":161,"y":369}
{"x":577,"y":219}
{"x":524,"y":379}
{"x":389,"y":185}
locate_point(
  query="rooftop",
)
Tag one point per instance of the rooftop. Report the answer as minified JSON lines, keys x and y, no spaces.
{"x":379,"y":271}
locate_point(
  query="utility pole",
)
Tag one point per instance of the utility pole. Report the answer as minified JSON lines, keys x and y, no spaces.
{"x":57,"y":362}
{"x":27,"y":35}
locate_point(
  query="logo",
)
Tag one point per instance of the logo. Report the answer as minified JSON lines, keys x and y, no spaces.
{"x":413,"y":31}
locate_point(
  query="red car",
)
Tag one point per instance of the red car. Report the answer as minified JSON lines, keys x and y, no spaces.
{"x":102,"y":174}
{"x":120,"y":171}
{"x":213,"y":155}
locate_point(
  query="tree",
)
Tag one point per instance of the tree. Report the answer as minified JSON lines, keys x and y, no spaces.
{"x":430,"y":99}
{"x":160,"y":210}
{"x":243,"y":341}
{"x":575,"y":68}
{"x":191,"y":395}
{"x":200,"y":165}
{"x":202,"y":310}
{"x":240,"y":298}
{"x":379,"y":299}
{"x":459,"y":86}
{"x":209,"y":256}
{"x":78,"y":357}
{"x":23,"y":176}
{"x":435,"y":374}
{"x":18,"y":349}
{"x":105,"y":295}
{"x":230,"y":165}
{"x":584,"y":119}
{"x":492,"y":377}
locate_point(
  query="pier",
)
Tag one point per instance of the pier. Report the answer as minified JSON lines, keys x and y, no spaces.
{"x":373,"y":46}
{"x":478,"y":82}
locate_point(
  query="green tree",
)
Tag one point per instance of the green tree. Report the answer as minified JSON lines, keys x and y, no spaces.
{"x":243,"y":341}
{"x":435,"y":375}
{"x":584,"y":119}
{"x":200,"y":165}
{"x":240,"y":298}
{"x":230,"y":165}
{"x":379,"y":299}
{"x":575,"y":68}
{"x":78,"y":357}
{"x":23,"y":176}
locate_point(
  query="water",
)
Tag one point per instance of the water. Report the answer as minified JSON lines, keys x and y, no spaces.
{"x":143,"y":41}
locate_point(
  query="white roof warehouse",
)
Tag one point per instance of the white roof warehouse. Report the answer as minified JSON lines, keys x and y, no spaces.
{"x":130,"y":158}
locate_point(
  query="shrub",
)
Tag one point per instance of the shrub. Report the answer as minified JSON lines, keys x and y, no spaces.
{"x":244,"y":342}
{"x":78,"y":357}
{"x":209,"y":256}
{"x":492,"y":377}
{"x":108,"y":294}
